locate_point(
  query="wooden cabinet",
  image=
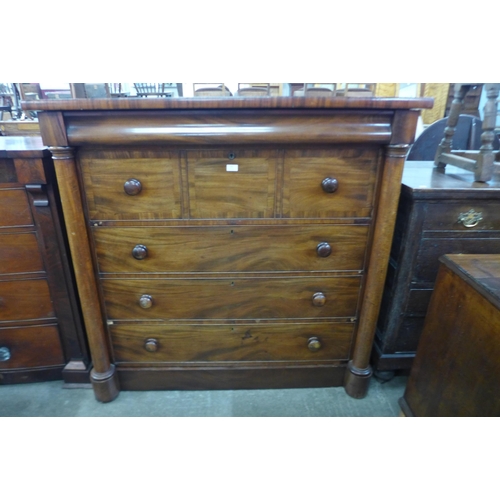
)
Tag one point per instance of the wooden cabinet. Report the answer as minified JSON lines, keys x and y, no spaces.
{"x":439,"y":213}
{"x":230,"y":243}
{"x":41,"y":332}
{"x":457,"y":366}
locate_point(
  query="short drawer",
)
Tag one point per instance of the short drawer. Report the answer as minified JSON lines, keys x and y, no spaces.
{"x":30,"y":347}
{"x":219,"y":343}
{"x":467,"y":216}
{"x":310,"y":175}
{"x":241,"y":298}
{"x":230,"y":248}
{"x":19,"y":253}
{"x":24,"y":300}
{"x":14,"y":208}
{"x":431,"y":249}
{"x":131,"y":184}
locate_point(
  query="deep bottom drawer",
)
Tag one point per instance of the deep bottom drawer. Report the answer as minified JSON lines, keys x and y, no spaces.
{"x":30,"y":347}
{"x":243,"y":342}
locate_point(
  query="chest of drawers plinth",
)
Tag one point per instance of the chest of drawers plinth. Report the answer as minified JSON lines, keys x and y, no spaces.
{"x":230,"y":243}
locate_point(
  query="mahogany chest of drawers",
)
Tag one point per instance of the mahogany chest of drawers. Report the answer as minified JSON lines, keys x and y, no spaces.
{"x":457,"y":365}
{"x":439,"y":213}
{"x":229,"y":243}
{"x":41,"y":331}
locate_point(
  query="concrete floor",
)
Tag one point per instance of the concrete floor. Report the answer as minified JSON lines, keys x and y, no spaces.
{"x":50,"y":399}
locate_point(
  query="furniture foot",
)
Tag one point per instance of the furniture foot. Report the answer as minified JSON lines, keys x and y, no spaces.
{"x":106,"y":386}
{"x":357,"y":380}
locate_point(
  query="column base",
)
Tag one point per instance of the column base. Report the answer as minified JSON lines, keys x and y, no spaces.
{"x":356,"y":381}
{"x":106,"y":385}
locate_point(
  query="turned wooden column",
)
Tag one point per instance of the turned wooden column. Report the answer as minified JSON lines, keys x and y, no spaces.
{"x":103,"y":376}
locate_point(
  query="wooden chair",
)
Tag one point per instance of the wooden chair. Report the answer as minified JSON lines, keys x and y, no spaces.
{"x":263,"y":90}
{"x":155,"y":89}
{"x":211,"y":90}
{"x":317,"y":90}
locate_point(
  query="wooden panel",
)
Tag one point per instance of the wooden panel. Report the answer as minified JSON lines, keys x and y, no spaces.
{"x":7,"y":171}
{"x":19,"y":253}
{"x":231,"y":298}
{"x":232,"y":183}
{"x":304,"y":171}
{"x":418,"y":301}
{"x":14,"y":208}
{"x":31,"y":347}
{"x":22,"y":300}
{"x":105,"y":173}
{"x":444,"y":216}
{"x":438,"y":91}
{"x":386,"y":89}
{"x":214,"y":343}
{"x":231,"y":248}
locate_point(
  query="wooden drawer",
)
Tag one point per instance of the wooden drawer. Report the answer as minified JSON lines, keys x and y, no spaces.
{"x":354,"y":169}
{"x":239,"y":298}
{"x":231,"y":248}
{"x":431,"y":249}
{"x":23,"y":300}
{"x":445,"y":216}
{"x":31,"y":347}
{"x":222,"y":343}
{"x":232,"y":183}
{"x":106,"y":172}
{"x":19,"y":253}
{"x":14,"y":208}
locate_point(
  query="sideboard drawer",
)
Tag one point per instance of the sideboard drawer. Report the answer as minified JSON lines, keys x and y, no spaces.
{"x":17,"y":300}
{"x":19,"y":253}
{"x":349,"y":173}
{"x":223,"y":343}
{"x":230,"y":248}
{"x":31,"y":347}
{"x":231,"y":298}
{"x":14,"y":208}
{"x":466,"y":216}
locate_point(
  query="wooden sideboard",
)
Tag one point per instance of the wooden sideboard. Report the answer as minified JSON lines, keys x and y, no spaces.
{"x":457,"y":366}
{"x":440,"y":212}
{"x":41,"y":330}
{"x":233,"y":242}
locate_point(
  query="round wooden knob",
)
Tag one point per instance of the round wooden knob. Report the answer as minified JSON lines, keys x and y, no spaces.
{"x":319,"y":299}
{"x":330,"y":185}
{"x":140,"y":252}
{"x":313,"y":344}
{"x":151,"y":345}
{"x":132,"y":187}
{"x":4,"y":354}
{"x":146,"y":301}
{"x":324,"y":249}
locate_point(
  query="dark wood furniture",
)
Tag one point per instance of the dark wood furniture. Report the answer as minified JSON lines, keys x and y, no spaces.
{"x":230,"y":242}
{"x":41,"y":332}
{"x":457,"y":367}
{"x":439,"y":212}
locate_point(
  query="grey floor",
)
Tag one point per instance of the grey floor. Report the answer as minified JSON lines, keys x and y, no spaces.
{"x":50,"y":399}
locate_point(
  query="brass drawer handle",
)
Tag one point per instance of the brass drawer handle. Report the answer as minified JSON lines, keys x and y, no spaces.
{"x":146,"y":301}
{"x":314,"y":344}
{"x":4,"y":354}
{"x":319,"y":299}
{"x":140,"y":252}
{"x":151,"y":345}
{"x":330,"y":185}
{"x":323,"y":249}
{"x":470,"y":218}
{"x":132,"y":187}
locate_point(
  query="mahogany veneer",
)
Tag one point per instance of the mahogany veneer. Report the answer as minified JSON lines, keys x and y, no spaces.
{"x":229,"y":243}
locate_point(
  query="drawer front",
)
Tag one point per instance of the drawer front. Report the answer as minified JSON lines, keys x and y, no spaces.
{"x":466,"y":216}
{"x":230,"y":248}
{"x":219,"y":343}
{"x":352,"y":174}
{"x":131,"y":185}
{"x":432,"y":248}
{"x":30,"y":347}
{"x":232,"y":183}
{"x":23,"y":300}
{"x":19,"y":253}
{"x":240,"y":298}
{"x":14,"y":208}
